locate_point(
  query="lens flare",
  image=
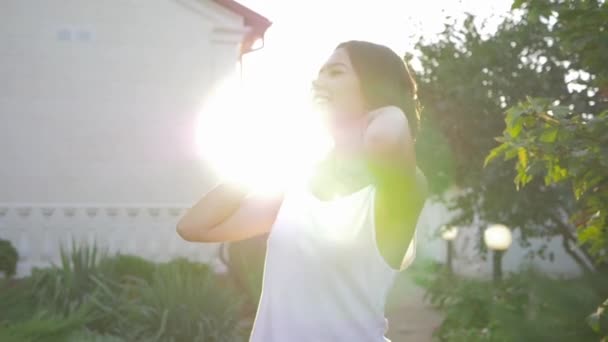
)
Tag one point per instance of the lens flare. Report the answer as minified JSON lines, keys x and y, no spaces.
{"x":259,"y":137}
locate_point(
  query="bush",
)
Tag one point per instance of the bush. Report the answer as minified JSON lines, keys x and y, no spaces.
{"x":89,"y":297}
{"x":120,"y":266}
{"x":524,"y":307}
{"x":62,"y":288}
{"x":45,"y":326}
{"x":59,"y":290}
{"x":86,"y":335}
{"x":182,"y":303}
{"x":8,"y":258}
{"x":424,"y":271}
{"x":17,"y":302}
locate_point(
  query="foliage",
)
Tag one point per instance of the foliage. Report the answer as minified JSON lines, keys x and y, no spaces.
{"x":182,"y":303}
{"x":466,"y":83}
{"x":45,"y":326}
{"x":524,"y":307}
{"x":563,"y":144}
{"x":549,"y":141}
{"x":8,"y":258}
{"x":89,"y":297}
{"x":120,"y":266}
{"x":580,"y":29}
{"x":62,"y":288}
{"x":86,"y":335}
{"x":599,"y":320}
{"x":17,"y":302}
{"x":423,"y":271}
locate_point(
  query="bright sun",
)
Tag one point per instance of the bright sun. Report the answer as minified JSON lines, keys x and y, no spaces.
{"x":264,"y":135}
{"x":259,"y":141}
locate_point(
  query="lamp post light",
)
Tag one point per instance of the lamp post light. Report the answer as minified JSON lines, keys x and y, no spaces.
{"x":497,"y":237}
{"x":449,"y":233}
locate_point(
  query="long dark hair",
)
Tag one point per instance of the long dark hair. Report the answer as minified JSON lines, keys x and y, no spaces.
{"x":386,"y":79}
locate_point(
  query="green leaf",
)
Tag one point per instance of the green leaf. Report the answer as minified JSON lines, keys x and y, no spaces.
{"x":495,"y":152}
{"x":555,"y":174}
{"x":549,"y":135}
{"x":515,"y":128}
{"x":522,"y":156}
{"x":510,"y":154}
{"x":514,"y":113}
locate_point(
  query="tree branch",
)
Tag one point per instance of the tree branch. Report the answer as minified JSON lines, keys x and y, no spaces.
{"x":567,"y":237}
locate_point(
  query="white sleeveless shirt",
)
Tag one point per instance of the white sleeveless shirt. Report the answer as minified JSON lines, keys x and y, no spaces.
{"x":324,"y":278}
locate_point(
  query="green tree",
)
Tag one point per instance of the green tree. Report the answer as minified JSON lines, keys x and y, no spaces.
{"x":467,"y":82}
{"x":560,"y":144}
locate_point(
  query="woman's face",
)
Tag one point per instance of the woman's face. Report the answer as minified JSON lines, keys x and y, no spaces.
{"x":337,"y":93}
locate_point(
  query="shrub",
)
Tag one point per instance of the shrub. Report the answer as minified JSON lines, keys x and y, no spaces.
{"x":62,"y":288}
{"x":17,"y":301}
{"x":183,"y":302}
{"x":121,"y":265}
{"x":45,"y":326}
{"x":524,"y":307}
{"x":123,"y":298}
{"x":8,"y":258}
{"x":424,"y":271}
{"x":86,"y":335}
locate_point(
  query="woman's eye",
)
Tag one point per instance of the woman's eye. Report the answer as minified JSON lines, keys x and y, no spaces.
{"x":335,"y":72}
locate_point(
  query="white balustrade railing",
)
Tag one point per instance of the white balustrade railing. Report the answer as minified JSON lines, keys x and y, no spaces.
{"x":38,"y":229}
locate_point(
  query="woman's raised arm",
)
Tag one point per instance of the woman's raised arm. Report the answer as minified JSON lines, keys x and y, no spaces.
{"x":228,"y":214}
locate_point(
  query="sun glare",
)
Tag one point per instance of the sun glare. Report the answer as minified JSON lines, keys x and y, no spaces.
{"x":256,"y":140}
{"x":260,"y":131}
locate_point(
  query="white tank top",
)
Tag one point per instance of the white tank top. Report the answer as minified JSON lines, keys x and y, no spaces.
{"x":324,"y":278}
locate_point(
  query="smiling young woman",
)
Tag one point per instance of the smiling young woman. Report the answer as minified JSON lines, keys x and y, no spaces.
{"x":337,"y":241}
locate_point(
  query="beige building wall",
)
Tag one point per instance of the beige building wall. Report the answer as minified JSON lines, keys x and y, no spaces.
{"x":98,"y":106}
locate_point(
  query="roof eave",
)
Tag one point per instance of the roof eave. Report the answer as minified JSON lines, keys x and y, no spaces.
{"x":257,"y":23}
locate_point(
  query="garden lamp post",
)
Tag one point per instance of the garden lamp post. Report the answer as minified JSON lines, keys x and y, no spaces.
{"x":497,"y":237}
{"x":449,"y":233}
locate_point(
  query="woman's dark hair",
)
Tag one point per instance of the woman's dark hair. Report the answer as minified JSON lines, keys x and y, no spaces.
{"x":385,"y":79}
